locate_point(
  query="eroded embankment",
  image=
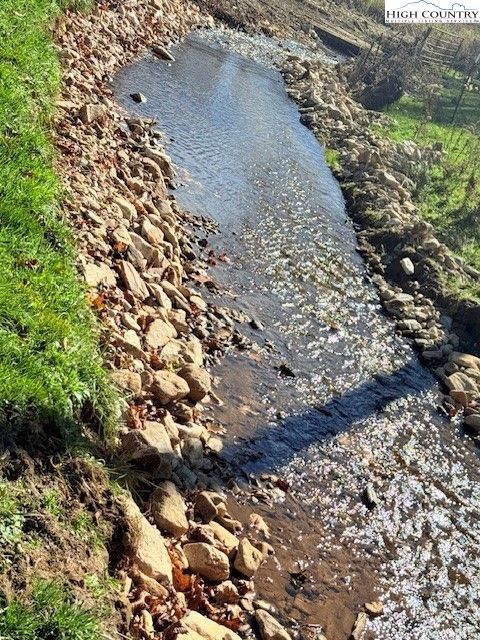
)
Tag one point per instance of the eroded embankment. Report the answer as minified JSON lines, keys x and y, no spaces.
{"x":186,"y":566}
{"x":409,"y":264}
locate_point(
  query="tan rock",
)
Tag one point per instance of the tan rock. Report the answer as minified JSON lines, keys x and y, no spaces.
{"x":151,"y":448}
{"x":459,"y":381}
{"x":151,"y":233}
{"x":160,"y":296}
{"x":208,"y":629}
{"x":205,"y":506}
{"x":127,"y":209}
{"x":96,"y":274}
{"x":132,"y":280}
{"x":92,"y":113}
{"x":158,"y":334}
{"x":207,"y":560}
{"x":128,"y":381}
{"x":168,"y":509}
{"x":168,"y":387}
{"x":270,"y":629}
{"x":465,"y":360}
{"x":147,"y":546}
{"x":248,"y":558}
{"x":374,"y":609}
{"x":198,"y":380}
{"x":227,"y":540}
{"x":360,"y":626}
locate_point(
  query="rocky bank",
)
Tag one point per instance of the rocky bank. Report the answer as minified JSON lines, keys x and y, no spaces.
{"x":408,"y":264}
{"x":189,"y":565}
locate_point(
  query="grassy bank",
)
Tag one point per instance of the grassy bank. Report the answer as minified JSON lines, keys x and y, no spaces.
{"x":56,"y":510}
{"x":448,"y":195}
{"x":50,"y":364}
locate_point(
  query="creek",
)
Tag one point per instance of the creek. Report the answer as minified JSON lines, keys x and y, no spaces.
{"x":356,"y":408}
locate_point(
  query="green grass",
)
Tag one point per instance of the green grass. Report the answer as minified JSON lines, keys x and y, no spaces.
{"x":448,"y":196}
{"x":50,"y":364}
{"x":50,"y":614}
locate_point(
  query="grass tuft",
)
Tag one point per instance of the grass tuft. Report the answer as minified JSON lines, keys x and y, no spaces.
{"x":50,"y":614}
{"x":50,"y":364}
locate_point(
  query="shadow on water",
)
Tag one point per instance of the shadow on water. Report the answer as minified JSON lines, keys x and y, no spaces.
{"x":276,"y":444}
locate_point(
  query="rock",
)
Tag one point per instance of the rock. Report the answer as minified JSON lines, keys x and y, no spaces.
{"x":96,"y":274}
{"x":198,"y":381}
{"x":207,"y":560}
{"x":192,"y":450}
{"x":370,"y":496}
{"x":227,"y":540}
{"x":459,"y":381}
{"x":248,"y":558}
{"x":92,"y":113}
{"x":461,"y":397}
{"x":132,"y":280}
{"x":128,"y":381}
{"x":374,"y":609}
{"x":151,"y":233}
{"x":151,"y":448}
{"x":270,"y":629}
{"x":158,"y":334}
{"x":227,"y":593}
{"x":138,"y":97}
{"x":208,"y":629}
{"x":360,"y":626}
{"x":205,"y":506}
{"x":162,"y":52}
{"x":168,"y":509}
{"x":465,"y":360}
{"x":168,"y":387}
{"x":407,"y":266}
{"x":473,"y":421}
{"x":128,"y":210}
{"x":147,"y":546}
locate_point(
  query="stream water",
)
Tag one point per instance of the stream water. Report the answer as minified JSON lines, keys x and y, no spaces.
{"x":359,"y":408}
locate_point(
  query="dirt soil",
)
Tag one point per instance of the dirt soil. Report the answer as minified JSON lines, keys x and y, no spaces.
{"x":293,"y":17}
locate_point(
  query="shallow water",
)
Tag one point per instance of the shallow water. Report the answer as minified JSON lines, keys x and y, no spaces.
{"x":360,"y":408}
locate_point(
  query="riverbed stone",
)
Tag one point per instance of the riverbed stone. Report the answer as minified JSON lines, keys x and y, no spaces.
{"x":465,"y":360}
{"x":473,"y":421}
{"x":168,"y":387}
{"x":207,"y":560}
{"x":208,"y":629}
{"x":168,"y":509}
{"x":205,"y":506}
{"x":198,"y":380}
{"x":270,"y":629}
{"x":248,"y":558}
{"x":228,"y":541}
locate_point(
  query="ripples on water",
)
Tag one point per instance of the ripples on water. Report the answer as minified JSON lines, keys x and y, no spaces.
{"x":262,"y":176}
